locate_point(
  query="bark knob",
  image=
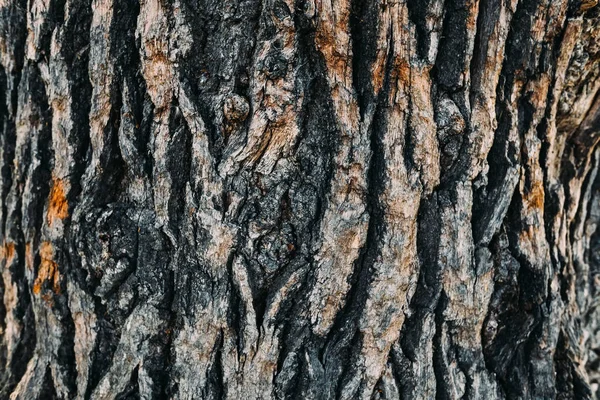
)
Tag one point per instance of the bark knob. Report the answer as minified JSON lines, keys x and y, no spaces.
{"x":236,"y":108}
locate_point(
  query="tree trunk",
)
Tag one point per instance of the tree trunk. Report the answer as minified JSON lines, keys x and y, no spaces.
{"x":309,"y":199}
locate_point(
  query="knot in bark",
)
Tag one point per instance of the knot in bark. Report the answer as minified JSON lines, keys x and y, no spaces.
{"x":236,"y":108}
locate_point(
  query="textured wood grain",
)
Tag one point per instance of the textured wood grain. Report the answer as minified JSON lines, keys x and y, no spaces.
{"x":312,"y":199}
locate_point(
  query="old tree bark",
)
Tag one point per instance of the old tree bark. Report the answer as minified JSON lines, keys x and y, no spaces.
{"x":300,"y":199}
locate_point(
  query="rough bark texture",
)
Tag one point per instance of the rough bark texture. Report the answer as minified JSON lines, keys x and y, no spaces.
{"x":300,"y":199}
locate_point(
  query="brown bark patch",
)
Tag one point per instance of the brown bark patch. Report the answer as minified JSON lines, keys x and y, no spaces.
{"x":28,"y":256}
{"x":48,"y":269}
{"x":472,"y":16}
{"x":535,"y":198}
{"x":57,"y":204}
{"x":587,"y":5}
{"x":377,"y":75}
{"x":8,"y":252}
{"x":401,"y":71}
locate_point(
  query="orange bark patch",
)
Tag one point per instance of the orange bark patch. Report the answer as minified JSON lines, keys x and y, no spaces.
{"x":57,"y":204}
{"x":401,"y":71}
{"x":535,"y":198}
{"x":8,"y":252}
{"x":48,"y":269}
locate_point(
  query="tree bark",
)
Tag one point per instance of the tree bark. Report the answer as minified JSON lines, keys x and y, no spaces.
{"x":308,"y":199}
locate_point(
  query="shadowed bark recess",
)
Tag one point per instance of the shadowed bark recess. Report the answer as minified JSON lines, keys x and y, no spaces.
{"x":299,"y":199}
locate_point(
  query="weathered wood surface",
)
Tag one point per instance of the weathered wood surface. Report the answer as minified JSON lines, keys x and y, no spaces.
{"x":310,"y":199}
